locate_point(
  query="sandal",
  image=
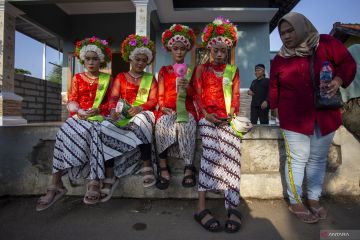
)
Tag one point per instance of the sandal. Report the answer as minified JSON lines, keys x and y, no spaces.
{"x":148,"y":174}
{"x":91,"y":196}
{"x":191,"y":176}
{"x":320,"y":212}
{"x":163,"y":183}
{"x":200,"y":216}
{"x":46,"y":202}
{"x":306,"y":217}
{"x":229,"y":222}
{"x":108,"y":192}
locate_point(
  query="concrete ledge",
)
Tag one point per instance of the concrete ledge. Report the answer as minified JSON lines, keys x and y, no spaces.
{"x":26,"y":155}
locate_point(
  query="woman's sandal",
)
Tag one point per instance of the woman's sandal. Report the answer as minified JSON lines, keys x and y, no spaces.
{"x":229,"y":222}
{"x":148,"y":174}
{"x":108,"y":192}
{"x":191,"y":176}
{"x":320,"y":212}
{"x":163,"y":183}
{"x":46,"y":202}
{"x":91,"y":196}
{"x":306,"y":217}
{"x":208,"y":225}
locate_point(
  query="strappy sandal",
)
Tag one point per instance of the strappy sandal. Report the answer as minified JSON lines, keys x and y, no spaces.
{"x":306,"y":217}
{"x":163,"y":183}
{"x":45,"y":202}
{"x":148,"y":174}
{"x":191,"y":176}
{"x":109,"y":191}
{"x":208,"y":225}
{"x":317,"y":212}
{"x":91,"y":196}
{"x":229,"y":222}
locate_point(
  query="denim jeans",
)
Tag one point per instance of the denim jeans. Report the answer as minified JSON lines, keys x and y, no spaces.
{"x":305,"y":153}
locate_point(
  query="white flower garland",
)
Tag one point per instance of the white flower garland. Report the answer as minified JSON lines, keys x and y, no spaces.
{"x":220,"y":39}
{"x":141,"y":50}
{"x":91,"y":48}
{"x":179,"y":38}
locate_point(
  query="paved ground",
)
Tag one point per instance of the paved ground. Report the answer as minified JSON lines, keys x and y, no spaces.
{"x":123,"y":219}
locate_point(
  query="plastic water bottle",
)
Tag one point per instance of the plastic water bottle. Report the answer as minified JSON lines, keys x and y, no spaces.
{"x":325,"y":79}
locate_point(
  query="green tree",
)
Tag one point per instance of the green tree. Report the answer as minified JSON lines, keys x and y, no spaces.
{"x":55,"y":74}
{"x":22,"y":71}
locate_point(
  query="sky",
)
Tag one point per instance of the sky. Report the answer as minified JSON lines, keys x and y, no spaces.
{"x":322,"y":13}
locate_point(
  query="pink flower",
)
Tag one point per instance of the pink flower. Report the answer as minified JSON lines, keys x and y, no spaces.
{"x":180,"y":69}
{"x":104,"y":42}
{"x":145,"y":41}
{"x":93,"y":39}
{"x":132,"y":42}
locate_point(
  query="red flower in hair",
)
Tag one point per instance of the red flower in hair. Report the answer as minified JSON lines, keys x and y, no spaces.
{"x":178,"y":28}
{"x":220,"y":30}
{"x":191,"y":32}
{"x":167,"y":34}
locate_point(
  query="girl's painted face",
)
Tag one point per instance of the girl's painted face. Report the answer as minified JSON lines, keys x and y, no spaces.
{"x":287,"y":34}
{"x":92,"y":61}
{"x":219,"y":53}
{"x":178,"y":51}
{"x":139,"y":63}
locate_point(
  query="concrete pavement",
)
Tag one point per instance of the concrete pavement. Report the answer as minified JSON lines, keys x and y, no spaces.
{"x":169,"y":219}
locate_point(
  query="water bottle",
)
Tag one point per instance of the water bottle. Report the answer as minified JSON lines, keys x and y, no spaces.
{"x":325,"y":79}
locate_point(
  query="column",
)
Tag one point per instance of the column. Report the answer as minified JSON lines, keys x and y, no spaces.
{"x":10,"y":103}
{"x":143,"y":11}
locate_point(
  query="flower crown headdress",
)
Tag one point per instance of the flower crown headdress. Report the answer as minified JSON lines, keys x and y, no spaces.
{"x":178,"y":32}
{"x":136,"y":44}
{"x":220,"y":30}
{"x":93,"y":44}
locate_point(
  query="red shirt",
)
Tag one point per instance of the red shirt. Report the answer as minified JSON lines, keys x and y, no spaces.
{"x":291,"y":87}
{"x":167,"y":91}
{"x":126,"y":87}
{"x":209,"y":90}
{"x":83,"y":92}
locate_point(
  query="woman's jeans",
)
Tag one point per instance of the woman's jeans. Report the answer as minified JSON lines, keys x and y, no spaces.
{"x":305,"y":153}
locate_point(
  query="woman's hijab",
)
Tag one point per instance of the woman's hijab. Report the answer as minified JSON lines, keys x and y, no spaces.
{"x":307,"y":35}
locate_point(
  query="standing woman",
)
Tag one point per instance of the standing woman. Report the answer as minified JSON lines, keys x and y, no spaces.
{"x":78,"y":149}
{"x":175,"y":129}
{"x":307,"y":131}
{"x":128,"y":129}
{"x":217,"y":87}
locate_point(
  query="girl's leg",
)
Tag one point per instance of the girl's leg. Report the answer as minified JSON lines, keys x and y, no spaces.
{"x":55,"y":189}
{"x":147,"y":172}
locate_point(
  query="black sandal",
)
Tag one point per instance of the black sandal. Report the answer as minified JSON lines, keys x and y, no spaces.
{"x":191,"y":176}
{"x":237,"y":225}
{"x":163,"y":183}
{"x":200,"y":216}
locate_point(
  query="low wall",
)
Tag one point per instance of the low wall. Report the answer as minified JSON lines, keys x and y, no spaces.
{"x":26,"y":156}
{"x":41,"y":99}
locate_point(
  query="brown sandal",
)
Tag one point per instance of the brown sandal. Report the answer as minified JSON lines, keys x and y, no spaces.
{"x":91,"y":196}
{"x":306,"y":217}
{"x":46,"y":202}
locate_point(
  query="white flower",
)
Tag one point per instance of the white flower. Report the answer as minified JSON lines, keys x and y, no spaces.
{"x":217,"y":22}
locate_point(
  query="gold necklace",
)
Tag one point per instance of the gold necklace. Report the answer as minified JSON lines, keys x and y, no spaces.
{"x":217,"y":74}
{"x":90,"y":82}
{"x":136,"y":78}
{"x":93,"y":79}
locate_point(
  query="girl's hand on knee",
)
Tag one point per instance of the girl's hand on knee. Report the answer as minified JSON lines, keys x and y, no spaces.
{"x":135,"y":110}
